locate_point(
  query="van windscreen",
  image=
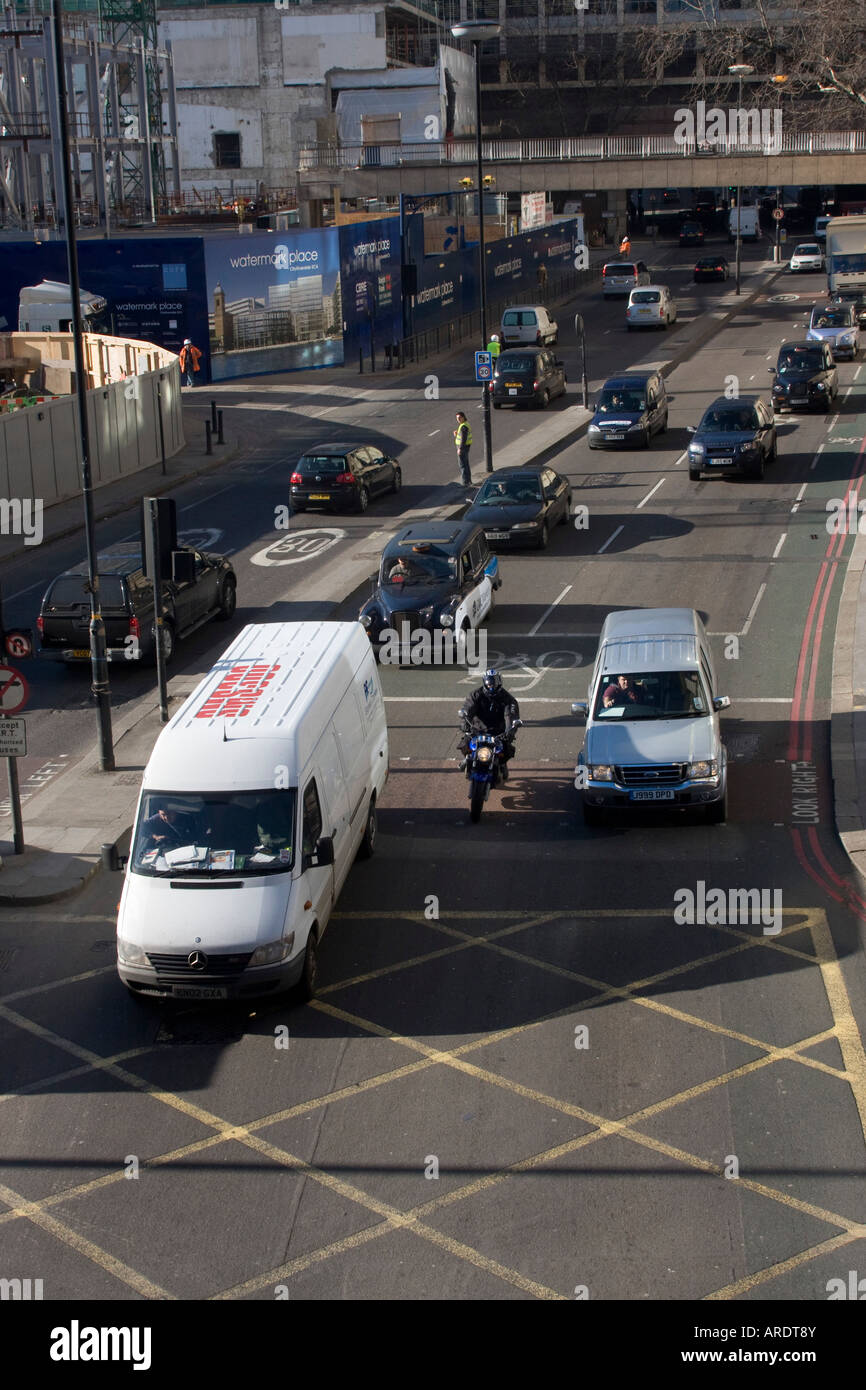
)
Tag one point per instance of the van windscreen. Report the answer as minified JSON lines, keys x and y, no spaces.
{"x":651,"y":695}
{"x":210,"y":833}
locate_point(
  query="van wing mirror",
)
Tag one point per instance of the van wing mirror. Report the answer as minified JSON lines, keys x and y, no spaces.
{"x":721,"y":702}
{"x":580,"y":707}
{"x":691,"y":429}
{"x":324,"y":852}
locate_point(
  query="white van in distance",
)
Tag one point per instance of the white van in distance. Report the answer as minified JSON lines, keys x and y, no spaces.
{"x":256,"y":799}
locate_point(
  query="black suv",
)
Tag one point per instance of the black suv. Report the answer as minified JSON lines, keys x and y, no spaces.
{"x":735,"y":436}
{"x":691,"y":234}
{"x":527,"y":376}
{"x":126,"y":596}
{"x":630,"y":409}
{"x":434,"y":576}
{"x":342,"y":477}
{"x":806,"y":376}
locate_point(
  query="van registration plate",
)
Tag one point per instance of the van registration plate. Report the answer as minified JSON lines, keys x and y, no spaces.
{"x":654,"y":795}
{"x":199,"y":992}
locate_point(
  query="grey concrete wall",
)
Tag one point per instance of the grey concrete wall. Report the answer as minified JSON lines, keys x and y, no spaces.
{"x":40,"y":448}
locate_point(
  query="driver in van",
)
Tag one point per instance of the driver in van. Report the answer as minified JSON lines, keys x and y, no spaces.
{"x":619,"y":692}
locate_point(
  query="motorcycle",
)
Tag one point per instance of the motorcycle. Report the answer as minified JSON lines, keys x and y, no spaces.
{"x":485,"y":764}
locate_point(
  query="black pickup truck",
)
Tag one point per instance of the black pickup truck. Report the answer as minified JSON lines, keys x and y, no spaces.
{"x":127,"y":606}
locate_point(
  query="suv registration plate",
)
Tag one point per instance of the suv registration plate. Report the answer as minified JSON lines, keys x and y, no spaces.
{"x":654,"y":795}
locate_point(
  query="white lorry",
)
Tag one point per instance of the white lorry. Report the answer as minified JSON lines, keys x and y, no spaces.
{"x":750,"y":227}
{"x":47,"y":308}
{"x":846,"y":255}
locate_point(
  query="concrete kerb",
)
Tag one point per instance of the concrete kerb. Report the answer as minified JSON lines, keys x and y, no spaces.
{"x":848,"y":712}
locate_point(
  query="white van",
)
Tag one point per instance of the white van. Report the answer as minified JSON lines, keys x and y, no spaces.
{"x":529,"y":324}
{"x":256,"y":799}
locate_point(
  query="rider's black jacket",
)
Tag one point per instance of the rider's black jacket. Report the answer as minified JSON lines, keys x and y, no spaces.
{"x":497,"y":712}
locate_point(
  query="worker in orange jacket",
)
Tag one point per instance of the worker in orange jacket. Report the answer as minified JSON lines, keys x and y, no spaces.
{"x":189,"y":357}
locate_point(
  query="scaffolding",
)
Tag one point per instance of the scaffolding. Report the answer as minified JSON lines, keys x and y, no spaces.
{"x":121,"y":111}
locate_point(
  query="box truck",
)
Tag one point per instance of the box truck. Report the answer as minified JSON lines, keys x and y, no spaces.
{"x":846,"y":255}
{"x":47,"y":308}
{"x":257,"y":798}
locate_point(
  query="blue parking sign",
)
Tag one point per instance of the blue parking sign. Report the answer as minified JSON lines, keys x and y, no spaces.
{"x":483,"y":366}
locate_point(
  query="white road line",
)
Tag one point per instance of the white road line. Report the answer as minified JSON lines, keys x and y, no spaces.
{"x":610,"y":539}
{"x":682,"y":458}
{"x":753,"y":610}
{"x":432,"y":432}
{"x":781,"y":542}
{"x":858,"y":371}
{"x":833,"y":422}
{"x":547,"y":612}
{"x":644,"y":500}
{"x":802,"y":492}
{"x":40,"y":584}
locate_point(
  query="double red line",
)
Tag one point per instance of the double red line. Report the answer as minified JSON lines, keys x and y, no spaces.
{"x":807,"y":844}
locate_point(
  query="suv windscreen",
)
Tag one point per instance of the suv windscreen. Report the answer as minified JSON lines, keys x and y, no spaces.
{"x":70,"y":591}
{"x":323,"y":463}
{"x":609,"y":402}
{"x":215,"y":832}
{"x":651,"y":695}
{"x":800,"y":360}
{"x":412,"y":567}
{"x":729,"y":421}
{"x":517,"y":491}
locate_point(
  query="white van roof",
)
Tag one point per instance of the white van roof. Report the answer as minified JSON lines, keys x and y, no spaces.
{"x":650,"y":639}
{"x":262,"y":706}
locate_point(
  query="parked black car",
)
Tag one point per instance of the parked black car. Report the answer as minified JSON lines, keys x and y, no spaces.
{"x":734,"y":436}
{"x":434,"y":576}
{"x":527,"y":376}
{"x":806,"y":376}
{"x":520,"y":506}
{"x":126,"y":596}
{"x":630,"y":409}
{"x":712,"y":268}
{"x":342,"y":477}
{"x":691,"y":234}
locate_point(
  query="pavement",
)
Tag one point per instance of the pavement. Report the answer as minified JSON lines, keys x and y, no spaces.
{"x":66,"y":825}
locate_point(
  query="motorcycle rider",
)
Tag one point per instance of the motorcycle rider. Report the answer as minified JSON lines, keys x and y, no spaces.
{"x":493,"y":710}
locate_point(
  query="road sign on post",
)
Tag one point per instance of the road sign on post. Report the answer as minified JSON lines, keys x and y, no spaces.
{"x":778,"y":214}
{"x":14,"y":690}
{"x":14,"y":694}
{"x":483,"y":366}
{"x":13,"y":738}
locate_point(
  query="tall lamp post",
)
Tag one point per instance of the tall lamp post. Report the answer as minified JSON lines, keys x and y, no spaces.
{"x":739,"y":70}
{"x":63,"y":182}
{"x":477,"y":31}
{"x":779,"y":80}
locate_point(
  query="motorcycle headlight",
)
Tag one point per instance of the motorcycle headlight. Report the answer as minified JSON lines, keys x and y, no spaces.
{"x":130,"y":954}
{"x":484,"y":753}
{"x":703,"y":770}
{"x":600,"y":772}
{"x":274,"y":951}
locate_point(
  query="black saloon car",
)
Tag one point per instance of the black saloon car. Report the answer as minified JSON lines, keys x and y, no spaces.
{"x":342,"y":477}
{"x":735,"y":436}
{"x":712,"y":268}
{"x":520,"y":506}
{"x":527,"y":376}
{"x":434,"y":577}
{"x":806,"y":377}
{"x":630,"y":409}
{"x":691,"y":234}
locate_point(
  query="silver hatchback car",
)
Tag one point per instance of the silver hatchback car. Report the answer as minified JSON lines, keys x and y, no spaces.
{"x":652,"y":718}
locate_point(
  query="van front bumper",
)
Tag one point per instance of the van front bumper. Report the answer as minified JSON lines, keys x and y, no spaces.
{"x":200,"y":985}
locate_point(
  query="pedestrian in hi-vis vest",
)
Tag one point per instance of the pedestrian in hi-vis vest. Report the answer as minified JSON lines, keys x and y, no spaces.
{"x":463,"y":440}
{"x":189,"y":358}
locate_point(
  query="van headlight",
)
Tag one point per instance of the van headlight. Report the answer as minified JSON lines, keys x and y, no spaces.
{"x":704,"y":771}
{"x":697,"y":450}
{"x":594,"y":429}
{"x":130,"y":954}
{"x":600,"y":772}
{"x":274,"y":952}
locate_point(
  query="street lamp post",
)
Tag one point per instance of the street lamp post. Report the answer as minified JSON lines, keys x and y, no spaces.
{"x":477,"y":30}
{"x":739,"y":70}
{"x":779,"y":80}
{"x":63,"y":181}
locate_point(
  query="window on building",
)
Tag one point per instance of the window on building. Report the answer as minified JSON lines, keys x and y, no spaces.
{"x":227,"y":150}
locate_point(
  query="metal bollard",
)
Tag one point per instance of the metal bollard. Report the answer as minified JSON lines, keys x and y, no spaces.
{"x":361,"y":360}
{"x":208,"y":445}
{"x":213,"y":416}
{"x":220,"y":439}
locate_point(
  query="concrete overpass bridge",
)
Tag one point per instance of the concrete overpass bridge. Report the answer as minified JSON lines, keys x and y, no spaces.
{"x":586,"y":164}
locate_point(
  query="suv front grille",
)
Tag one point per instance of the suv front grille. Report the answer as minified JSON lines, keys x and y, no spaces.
{"x":651,"y":775}
{"x":216,"y":965}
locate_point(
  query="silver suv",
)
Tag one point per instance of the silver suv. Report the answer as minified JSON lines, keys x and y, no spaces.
{"x":652,"y":717}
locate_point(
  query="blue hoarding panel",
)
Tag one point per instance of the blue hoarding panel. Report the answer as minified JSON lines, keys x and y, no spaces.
{"x":370,"y":275}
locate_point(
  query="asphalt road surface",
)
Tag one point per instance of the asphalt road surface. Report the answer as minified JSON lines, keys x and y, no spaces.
{"x":522,"y":1078}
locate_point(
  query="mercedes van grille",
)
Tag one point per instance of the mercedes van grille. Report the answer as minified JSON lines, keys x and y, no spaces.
{"x":651,"y":775}
{"x":216,"y":965}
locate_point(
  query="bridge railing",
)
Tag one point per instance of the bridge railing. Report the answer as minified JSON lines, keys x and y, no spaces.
{"x":393,"y":155}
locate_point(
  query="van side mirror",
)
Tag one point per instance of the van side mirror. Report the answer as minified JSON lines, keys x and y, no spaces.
{"x":691,"y":429}
{"x":324,"y":852}
{"x":721,"y":702}
{"x":772,"y":371}
{"x":112,"y":860}
{"x":580,"y":707}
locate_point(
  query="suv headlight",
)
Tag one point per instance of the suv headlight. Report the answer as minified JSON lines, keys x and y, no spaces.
{"x":130,"y":954}
{"x":274,"y":951}
{"x":600,"y":772}
{"x":526,"y":525}
{"x":697,"y":449}
{"x":704,"y":770}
